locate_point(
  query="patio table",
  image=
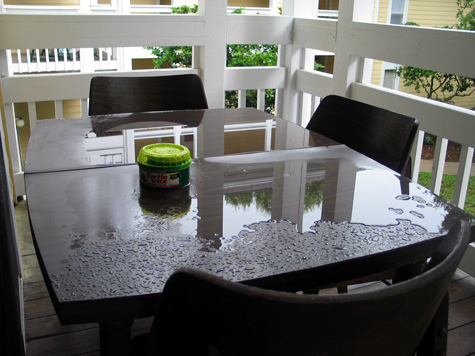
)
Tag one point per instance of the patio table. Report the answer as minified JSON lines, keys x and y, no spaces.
{"x":268,"y":203}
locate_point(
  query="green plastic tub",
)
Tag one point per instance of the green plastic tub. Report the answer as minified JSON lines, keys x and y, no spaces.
{"x":164,"y":165}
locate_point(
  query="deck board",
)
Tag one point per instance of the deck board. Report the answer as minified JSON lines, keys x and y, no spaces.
{"x":47,"y":337}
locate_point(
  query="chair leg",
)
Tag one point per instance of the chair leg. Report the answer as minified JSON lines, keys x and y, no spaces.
{"x":434,"y":342}
{"x":115,"y":338}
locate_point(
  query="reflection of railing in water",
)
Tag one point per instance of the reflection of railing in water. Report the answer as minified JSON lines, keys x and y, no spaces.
{"x":120,"y":149}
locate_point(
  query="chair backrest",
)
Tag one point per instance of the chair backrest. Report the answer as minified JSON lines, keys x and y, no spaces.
{"x":11,"y":315}
{"x":380,"y":134}
{"x":199,"y":311}
{"x":115,"y":95}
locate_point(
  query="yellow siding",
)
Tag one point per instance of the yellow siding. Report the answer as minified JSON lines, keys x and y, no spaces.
{"x":149,"y":2}
{"x":464,"y":102}
{"x":249,"y":3}
{"x":142,"y":63}
{"x":377,"y":70}
{"x":426,"y":13}
{"x":42,"y":2}
{"x":432,"y":13}
{"x":72,"y":108}
{"x":328,"y":5}
{"x":383,"y":11}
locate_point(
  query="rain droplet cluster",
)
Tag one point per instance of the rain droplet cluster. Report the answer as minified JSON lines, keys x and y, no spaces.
{"x":112,"y":264}
{"x":421,"y":204}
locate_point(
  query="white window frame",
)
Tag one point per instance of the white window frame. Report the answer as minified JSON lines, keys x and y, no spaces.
{"x":404,"y":15}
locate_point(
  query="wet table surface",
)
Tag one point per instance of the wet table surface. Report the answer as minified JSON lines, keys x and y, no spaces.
{"x":267,"y":201}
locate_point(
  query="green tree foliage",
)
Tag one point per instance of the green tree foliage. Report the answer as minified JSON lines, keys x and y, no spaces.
{"x":262,"y":199}
{"x":442,"y":86}
{"x":251,"y":56}
{"x":465,"y":15}
{"x":174,"y":56}
{"x":237,"y":56}
{"x":437,"y":86}
{"x":185,"y":9}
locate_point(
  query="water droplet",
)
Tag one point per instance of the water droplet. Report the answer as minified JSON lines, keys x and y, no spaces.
{"x":397,"y":211}
{"x":416,"y":214}
{"x":418,"y":199}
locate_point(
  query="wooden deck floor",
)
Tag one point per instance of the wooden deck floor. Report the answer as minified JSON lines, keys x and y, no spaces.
{"x":47,"y":337}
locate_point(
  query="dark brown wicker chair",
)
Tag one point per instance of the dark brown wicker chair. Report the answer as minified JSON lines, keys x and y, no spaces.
{"x":114,"y":95}
{"x":380,"y":134}
{"x":199,"y":313}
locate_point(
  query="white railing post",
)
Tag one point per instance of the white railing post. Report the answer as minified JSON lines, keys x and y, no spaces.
{"x":129,"y":146}
{"x":463,"y":175}
{"x":84,"y":6}
{"x":123,"y":5}
{"x":58,"y":109}
{"x":279,"y":93}
{"x":124,"y":59}
{"x":14,"y":147}
{"x":438,"y":164}
{"x":5,"y":63}
{"x":349,"y":68}
{"x":416,"y":154}
{"x":33,"y":117}
{"x":11,"y":130}
{"x":87,"y":60}
{"x":213,"y":57}
{"x":274,"y":10}
{"x":306,"y":100}
{"x":242,"y":98}
{"x":261,"y":99}
{"x":290,"y":58}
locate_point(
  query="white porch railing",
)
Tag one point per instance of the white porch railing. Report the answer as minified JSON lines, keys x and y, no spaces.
{"x":61,"y":60}
{"x":353,"y":38}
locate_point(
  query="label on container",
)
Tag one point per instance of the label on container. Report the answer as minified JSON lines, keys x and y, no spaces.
{"x":160,"y":179}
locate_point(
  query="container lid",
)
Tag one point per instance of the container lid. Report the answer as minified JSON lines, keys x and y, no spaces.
{"x":168,"y":156}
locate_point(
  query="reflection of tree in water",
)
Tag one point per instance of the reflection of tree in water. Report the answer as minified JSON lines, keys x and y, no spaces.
{"x":243,"y":199}
{"x":262,"y":199}
{"x":313,"y":194}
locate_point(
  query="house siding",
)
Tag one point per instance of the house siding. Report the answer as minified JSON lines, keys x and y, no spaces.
{"x":42,"y":2}
{"x":426,"y":13}
{"x":432,"y":13}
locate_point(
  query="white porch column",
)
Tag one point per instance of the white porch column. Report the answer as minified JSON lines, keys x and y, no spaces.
{"x":338,"y":193}
{"x":349,"y":68}
{"x":213,"y":53}
{"x":290,"y":177}
{"x":85,"y":6}
{"x":10,"y":135}
{"x":293,"y":58}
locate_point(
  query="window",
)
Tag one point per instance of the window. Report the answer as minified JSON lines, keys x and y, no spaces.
{"x":389,"y":79}
{"x":398,"y":14}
